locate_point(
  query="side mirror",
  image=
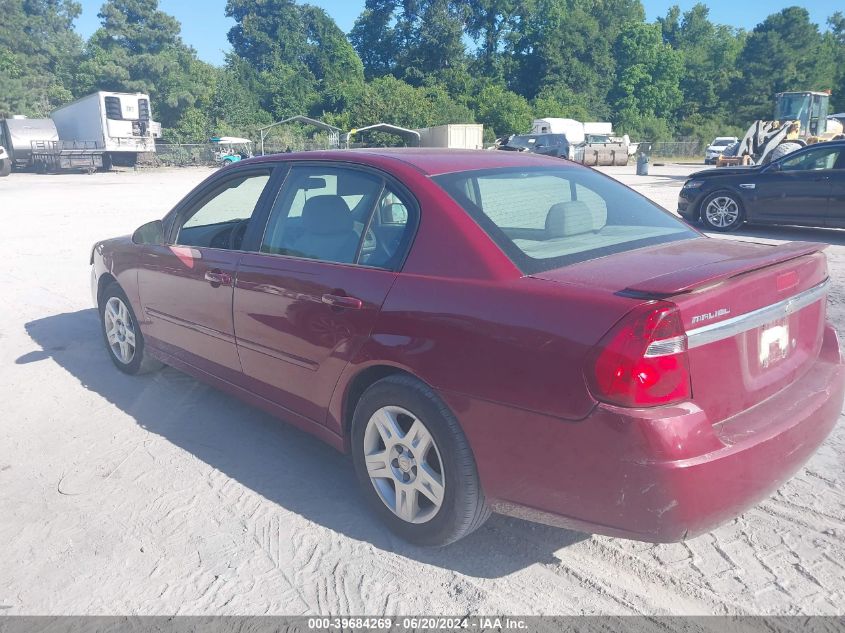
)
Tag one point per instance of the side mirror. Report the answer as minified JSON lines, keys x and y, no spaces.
{"x":775,"y":167}
{"x":149,"y":233}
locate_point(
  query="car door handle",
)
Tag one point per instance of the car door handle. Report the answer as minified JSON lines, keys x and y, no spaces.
{"x":342,"y":301}
{"x":218,"y":278}
{"x":820,"y":178}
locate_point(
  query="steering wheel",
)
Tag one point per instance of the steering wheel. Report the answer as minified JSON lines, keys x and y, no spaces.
{"x":236,"y":235}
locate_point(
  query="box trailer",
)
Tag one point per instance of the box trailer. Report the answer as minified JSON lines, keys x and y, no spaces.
{"x":19,"y":135}
{"x":118,"y":123}
{"x":454,"y":135}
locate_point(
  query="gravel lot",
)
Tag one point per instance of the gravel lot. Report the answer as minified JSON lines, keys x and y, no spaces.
{"x":159,"y":495}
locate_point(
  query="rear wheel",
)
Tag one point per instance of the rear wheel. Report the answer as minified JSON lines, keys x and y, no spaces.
{"x":122,"y":335}
{"x":5,"y":167}
{"x":414,"y":463}
{"x":722,"y":211}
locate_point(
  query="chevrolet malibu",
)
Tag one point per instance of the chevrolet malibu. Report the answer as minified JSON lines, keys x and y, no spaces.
{"x":488,"y":331}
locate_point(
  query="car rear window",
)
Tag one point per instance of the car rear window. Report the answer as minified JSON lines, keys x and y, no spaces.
{"x":548,"y":217}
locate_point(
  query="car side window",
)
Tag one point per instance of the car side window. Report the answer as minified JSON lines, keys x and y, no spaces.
{"x":387,"y":231}
{"x":321,"y":213}
{"x":220,"y":221}
{"x":817,"y":159}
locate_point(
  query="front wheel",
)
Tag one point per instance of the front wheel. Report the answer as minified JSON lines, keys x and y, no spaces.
{"x":122,"y":335}
{"x":783,"y":150}
{"x":722,"y":211}
{"x":5,"y":167}
{"x":414,"y":463}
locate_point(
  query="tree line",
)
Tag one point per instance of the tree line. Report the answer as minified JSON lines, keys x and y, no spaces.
{"x":418,"y":63}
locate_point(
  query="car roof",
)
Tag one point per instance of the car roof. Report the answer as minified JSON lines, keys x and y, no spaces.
{"x":429,"y":161}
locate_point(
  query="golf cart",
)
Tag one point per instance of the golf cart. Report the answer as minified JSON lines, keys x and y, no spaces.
{"x":231,"y":149}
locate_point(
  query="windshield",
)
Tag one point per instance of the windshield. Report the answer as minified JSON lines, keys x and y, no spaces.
{"x":548,"y":217}
{"x":520,"y":141}
{"x":723,"y":142}
{"x":792,"y":107}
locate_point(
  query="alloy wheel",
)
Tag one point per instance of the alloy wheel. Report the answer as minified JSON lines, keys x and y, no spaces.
{"x":120,"y":330}
{"x":404,"y":464}
{"x":722,"y":211}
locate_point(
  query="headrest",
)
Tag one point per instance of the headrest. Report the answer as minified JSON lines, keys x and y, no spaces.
{"x":326,"y":215}
{"x":571,"y":218}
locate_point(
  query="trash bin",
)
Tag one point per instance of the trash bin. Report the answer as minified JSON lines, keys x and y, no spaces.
{"x":642,"y":165}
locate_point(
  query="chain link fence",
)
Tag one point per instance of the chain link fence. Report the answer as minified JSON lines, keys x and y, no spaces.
{"x":689,"y":148}
{"x":181,"y":155}
{"x":205,"y":154}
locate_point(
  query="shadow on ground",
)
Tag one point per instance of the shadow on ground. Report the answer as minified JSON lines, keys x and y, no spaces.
{"x":284,"y":465}
{"x":783,"y":233}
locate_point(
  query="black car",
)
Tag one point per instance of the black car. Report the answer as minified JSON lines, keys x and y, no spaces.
{"x":806,"y":187}
{"x":545,"y":144}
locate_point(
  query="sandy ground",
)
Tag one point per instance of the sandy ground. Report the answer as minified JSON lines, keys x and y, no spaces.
{"x":159,"y":495}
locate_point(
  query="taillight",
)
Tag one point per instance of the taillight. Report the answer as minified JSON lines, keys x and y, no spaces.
{"x":642,"y":360}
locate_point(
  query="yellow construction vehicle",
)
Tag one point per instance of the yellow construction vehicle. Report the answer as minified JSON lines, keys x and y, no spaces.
{"x":801,"y":118}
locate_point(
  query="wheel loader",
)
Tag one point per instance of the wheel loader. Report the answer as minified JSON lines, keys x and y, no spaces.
{"x":800,"y":119}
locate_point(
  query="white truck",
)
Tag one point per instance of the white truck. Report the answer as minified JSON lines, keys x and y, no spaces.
{"x":118,"y":124}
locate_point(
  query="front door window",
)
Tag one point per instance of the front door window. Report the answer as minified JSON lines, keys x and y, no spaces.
{"x":221,"y":220}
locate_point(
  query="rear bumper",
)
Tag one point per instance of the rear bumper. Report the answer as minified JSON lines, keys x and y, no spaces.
{"x":664,"y":474}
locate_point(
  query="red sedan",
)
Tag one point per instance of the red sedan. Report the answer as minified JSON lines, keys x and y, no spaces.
{"x":489,"y":331}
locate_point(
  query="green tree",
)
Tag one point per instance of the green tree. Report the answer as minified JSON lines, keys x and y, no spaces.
{"x":710,"y":54}
{"x":784,"y":52}
{"x":374,"y":38}
{"x":561,"y":101}
{"x":569,"y":43}
{"x":38,"y":52}
{"x":647,"y":81}
{"x":419,"y":41}
{"x":297,"y":54}
{"x":503,"y":111}
{"x":490,"y":23}
{"x":391,"y":100}
{"x":836,"y":43}
{"x":138,"y":48}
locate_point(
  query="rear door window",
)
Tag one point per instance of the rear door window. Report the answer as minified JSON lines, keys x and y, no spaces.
{"x":340,"y":215}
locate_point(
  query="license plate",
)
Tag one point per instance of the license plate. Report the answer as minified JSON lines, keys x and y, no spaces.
{"x":774,"y":343}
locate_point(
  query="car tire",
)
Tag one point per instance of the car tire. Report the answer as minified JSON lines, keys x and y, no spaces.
{"x":122,"y":335}
{"x":783,"y":149}
{"x":5,"y":167}
{"x":722,"y":211}
{"x":393,"y":419}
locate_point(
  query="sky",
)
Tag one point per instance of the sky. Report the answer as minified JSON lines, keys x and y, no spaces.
{"x":204,"y":25}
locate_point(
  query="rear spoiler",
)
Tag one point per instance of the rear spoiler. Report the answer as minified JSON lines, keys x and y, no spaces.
{"x":689,"y":279}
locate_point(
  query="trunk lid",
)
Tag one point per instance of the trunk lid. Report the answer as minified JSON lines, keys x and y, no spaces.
{"x":754,"y":313}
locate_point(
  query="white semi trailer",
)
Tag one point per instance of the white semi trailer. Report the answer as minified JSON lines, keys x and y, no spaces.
{"x":118,"y":124}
